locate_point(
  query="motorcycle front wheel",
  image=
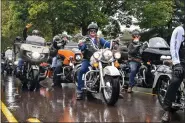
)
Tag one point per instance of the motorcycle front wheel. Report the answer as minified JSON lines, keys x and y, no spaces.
{"x":111,"y":90}
{"x":34,"y":82}
{"x":161,"y":91}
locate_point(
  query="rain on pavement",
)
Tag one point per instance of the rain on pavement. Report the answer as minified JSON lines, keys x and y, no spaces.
{"x":60,"y":105}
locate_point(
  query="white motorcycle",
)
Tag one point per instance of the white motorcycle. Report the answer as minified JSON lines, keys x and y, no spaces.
{"x":103,"y":77}
{"x":163,"y":75}
{"x":33,"y":52}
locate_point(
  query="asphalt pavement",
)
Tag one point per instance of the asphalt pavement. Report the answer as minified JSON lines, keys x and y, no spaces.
{"x":59,"y":104}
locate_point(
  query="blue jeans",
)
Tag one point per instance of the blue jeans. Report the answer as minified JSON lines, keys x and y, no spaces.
{"x":134,"y":67}
{"x":83,"y":70}
{"x":58,"y":69}
{"x":54,"y":62}
{"x":20,"y":63}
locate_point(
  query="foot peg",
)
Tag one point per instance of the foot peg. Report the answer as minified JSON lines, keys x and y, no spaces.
{"x":181,"y":106}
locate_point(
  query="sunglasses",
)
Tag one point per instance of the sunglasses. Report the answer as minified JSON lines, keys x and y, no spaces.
{"x":92,"y":30}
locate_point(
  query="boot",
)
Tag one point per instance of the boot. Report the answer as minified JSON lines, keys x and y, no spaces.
{"x":129,"y":90}
{"x":79,"y":96}
{"x":166,"y":117}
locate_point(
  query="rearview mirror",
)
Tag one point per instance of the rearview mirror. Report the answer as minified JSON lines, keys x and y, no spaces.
{"x":48,"y":43}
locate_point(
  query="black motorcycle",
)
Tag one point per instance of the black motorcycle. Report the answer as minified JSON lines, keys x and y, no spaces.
{"x":9,"y":65}
{"x":151,"y":53}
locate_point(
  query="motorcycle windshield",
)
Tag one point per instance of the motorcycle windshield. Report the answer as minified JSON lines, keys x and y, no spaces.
{"x":35,"y":40}
{"x":158,"y":42}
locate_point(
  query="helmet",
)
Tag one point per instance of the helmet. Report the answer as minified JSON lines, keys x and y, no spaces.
{"x":92,"y":26}
{"x":18,"y":38}
{"x":64,"y":35}
{"x":135,"y":33}
{"x":60,"y":35}
{"x":182,"y":19}
{"x":35,"y":32}
{"x":56,"y":38}
{"x":8,"y":48}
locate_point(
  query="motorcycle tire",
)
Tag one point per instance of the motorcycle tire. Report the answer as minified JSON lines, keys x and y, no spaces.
{"x":34,"y":82}
{"x":159,"y":86}
{"x":24,"y":85}
{"x":114,"y":82}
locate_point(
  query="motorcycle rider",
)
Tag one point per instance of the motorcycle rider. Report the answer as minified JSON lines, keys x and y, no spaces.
{"x":134,"y":58}
{"x":56,"y":64}
{"x":8,"y":55}
{"x":35,"y":33}
{"x":87,"y":49}
{"x":177,"y":49}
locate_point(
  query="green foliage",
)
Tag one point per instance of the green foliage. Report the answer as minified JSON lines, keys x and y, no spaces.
{"x":53,"y":17}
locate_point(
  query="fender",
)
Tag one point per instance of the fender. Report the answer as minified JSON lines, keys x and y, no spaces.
{"x":162,"y":70}
{"x":111,"y":71}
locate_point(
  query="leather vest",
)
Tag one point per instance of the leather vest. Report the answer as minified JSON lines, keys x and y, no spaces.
{"x":90,"y":49}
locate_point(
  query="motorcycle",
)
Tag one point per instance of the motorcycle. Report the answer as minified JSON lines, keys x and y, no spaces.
{"x":103,"y":77}
{"x":69,"y":59}
{"x":33,"y":52}
{"x":2,"y":63}
{"x":9,"y":65}
{"x":150,"y":53}
{"x":163,"y":75}
{"x":115,"y":63}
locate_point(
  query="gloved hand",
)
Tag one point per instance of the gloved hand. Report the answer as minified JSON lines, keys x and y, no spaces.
{"x":28,"y":25}
{"x":178,"y":70}
{"x":138,"y":47}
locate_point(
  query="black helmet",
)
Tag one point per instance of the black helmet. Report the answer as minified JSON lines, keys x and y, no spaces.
{"x":35,"y":32}
{"x":93,"y":26}
{"x":135,"y":33}
{"x":182,"y":19}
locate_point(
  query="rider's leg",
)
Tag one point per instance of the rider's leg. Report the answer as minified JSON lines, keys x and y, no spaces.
{"x":20,"y":64}
{"x":58,"y":70}
{"x":54,"y":63}
{"x":133,"y":71}
{"x":170,"y":97}
{"x":83,"y":70}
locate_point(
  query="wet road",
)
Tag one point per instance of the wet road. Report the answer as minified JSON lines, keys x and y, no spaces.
{"x":60,"y":105}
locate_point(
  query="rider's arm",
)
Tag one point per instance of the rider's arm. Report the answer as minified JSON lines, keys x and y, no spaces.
{"x":132,"y":50}
{"x":25,"y":33}
{"x":82,"y":46}
{"x":105,"y":43}
{"x":175,"y":43}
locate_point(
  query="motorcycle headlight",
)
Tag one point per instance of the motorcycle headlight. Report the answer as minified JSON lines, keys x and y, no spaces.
{"x":96,"y":55}
{"x":9,"y":58}
{"x":78,"y":57}
{"x":107,"y":55}
{"x":10,"y":64}
{"x":117,"y":55}
{"x":16,"y":63}
{"x":35,"y":55}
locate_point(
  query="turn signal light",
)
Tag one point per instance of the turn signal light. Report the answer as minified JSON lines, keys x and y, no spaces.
{"x":95,"y":64}
{"x":116,"y":64}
